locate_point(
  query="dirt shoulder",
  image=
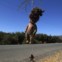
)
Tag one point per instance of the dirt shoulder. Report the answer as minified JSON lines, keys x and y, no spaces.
{"x":56,"y":57}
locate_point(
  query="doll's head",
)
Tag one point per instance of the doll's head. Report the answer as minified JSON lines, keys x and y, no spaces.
{"x":35,"y":14}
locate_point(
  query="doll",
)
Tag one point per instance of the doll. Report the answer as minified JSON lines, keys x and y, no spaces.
{"x":31,"y":28}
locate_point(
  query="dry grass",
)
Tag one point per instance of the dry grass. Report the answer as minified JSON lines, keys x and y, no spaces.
{"x":56,"y":57}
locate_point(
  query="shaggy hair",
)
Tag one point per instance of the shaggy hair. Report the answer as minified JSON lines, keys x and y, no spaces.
{"x":35,"y":14}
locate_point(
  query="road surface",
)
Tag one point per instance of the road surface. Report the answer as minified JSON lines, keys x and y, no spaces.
{"x":19,"y":53}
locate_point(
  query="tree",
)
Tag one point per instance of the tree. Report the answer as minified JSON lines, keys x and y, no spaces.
{"x":20,"y":37}
{"x":1,"y":36}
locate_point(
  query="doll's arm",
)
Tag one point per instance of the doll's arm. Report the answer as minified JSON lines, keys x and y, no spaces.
{"x":35,"y":30}
{"x":26,"y":29}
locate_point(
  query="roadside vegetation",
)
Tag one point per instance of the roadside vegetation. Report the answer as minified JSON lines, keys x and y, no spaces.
{"x":19,"y":38}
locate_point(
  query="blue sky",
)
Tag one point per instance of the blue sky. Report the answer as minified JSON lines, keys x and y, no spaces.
{"x":14,"y":19}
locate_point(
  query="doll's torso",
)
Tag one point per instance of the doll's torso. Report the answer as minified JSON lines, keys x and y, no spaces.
{"x":31,"y":28}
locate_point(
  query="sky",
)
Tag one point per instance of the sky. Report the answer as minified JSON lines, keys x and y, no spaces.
{"x":15,"y":19}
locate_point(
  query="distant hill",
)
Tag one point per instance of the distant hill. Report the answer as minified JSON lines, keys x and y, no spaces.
{"x":60,"y":37}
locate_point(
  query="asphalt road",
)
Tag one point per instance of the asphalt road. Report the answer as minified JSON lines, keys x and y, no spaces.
{"x":18,"y":53}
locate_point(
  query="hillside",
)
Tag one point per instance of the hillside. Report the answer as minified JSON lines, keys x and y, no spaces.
{"x":60,"y":37}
